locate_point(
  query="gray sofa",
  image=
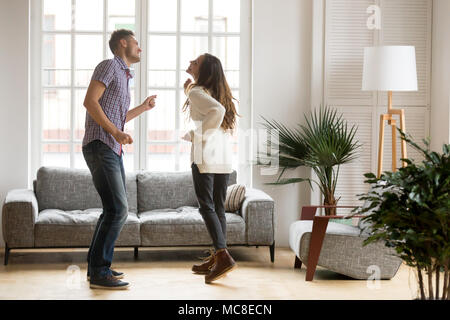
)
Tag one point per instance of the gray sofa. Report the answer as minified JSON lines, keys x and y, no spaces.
{"x":64,"y":207}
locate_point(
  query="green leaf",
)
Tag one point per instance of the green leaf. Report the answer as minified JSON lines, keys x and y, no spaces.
{"x":323,"y":143}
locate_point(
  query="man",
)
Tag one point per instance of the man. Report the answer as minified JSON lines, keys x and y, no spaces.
{"x":107,"y":102}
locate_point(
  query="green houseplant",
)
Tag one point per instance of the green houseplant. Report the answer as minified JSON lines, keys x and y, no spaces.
{"x":410,"y":211}
{"x":323,"y":144}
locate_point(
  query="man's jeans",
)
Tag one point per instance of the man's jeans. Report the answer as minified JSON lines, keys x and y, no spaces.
{"x":109,"y":180}
{"x":211,"y":191}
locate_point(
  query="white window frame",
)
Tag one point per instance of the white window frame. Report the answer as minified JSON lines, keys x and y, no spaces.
{"x":141,"y":88}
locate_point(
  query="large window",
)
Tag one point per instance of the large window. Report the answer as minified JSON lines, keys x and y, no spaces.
{"x":73,"y":39}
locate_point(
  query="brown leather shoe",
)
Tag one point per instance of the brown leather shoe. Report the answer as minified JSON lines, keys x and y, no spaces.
{"x":224,"y":264}
{"x":207,"y":264}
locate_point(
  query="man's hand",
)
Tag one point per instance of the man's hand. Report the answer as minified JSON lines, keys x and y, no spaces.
{"x":123,"y":138}
{"x":149,"y":103}
{"x":187,"y":83}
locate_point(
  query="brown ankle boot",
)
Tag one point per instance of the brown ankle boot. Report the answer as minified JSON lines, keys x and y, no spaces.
{"x":224,"y":264}
{"x":207,"y":264}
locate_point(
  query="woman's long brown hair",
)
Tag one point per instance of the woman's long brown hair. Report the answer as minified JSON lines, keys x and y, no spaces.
{"x":212,"y":78}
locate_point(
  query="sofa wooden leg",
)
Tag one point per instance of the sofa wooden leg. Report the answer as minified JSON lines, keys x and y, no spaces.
{"x":297,"y":263}
{"x":7,"y":250}
{"x":136,"y":252}
{"x":272,"y":252}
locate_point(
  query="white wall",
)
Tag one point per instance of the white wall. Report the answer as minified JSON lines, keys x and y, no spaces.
{"x":440,"y":82}
{"x":281,"y":90}
{"x":14,"y":95}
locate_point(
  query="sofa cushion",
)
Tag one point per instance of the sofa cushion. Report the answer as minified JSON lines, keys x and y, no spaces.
{"x":184,"y":226}
{"x":58,"y":228}
{"x":346,"y":254}
{"x":162,"y":190}
{"x":299,"y":229}
{"x":73,"y":189}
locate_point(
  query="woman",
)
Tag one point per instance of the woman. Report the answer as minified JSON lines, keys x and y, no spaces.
{"x":210,"y":105}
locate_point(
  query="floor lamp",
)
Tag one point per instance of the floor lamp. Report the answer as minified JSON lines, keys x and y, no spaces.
{"x":390,"y":68}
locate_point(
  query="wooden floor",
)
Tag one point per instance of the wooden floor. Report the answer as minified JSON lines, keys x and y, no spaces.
{"x":164,"y":273}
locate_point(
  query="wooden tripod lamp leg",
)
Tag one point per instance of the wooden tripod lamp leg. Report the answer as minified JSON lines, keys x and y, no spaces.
{"x":380,"y":146}
{"x":403,"y":128}
{"x":394,"y":145}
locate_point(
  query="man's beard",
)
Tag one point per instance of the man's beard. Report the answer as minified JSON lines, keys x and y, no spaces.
{"x":130,"y":57}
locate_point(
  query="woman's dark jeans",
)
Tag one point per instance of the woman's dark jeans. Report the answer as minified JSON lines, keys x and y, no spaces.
{"x":109,"y":180}
{"x":211,"y":191}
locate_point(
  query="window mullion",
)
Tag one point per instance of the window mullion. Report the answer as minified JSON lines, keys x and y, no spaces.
{"x":72,"y":88}
{"x":177,"y":81}
{"x":37,"y":90}
{"x":105,"y":26}
{"x":210,"y":25}
{"x":142,"y":13}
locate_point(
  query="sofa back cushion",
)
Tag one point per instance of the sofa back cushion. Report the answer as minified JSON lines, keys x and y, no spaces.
{"x":73,"y":189}
{"x":162,"y":190}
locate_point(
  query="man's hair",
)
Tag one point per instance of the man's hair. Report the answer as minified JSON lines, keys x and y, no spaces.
{"x":118,"y":35}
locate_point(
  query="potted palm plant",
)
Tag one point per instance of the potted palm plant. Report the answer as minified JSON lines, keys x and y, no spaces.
{"x":323,"y":144}
{"x":410,"y":210}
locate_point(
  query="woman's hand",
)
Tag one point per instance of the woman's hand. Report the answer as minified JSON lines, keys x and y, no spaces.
{"x":187,"y":83}
{"x":187,"y":137}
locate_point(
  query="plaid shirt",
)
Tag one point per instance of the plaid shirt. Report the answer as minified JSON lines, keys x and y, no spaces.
{"x":115,"y":101}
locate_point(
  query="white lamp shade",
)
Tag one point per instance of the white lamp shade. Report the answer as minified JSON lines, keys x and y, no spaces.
{"x":389,"y":68}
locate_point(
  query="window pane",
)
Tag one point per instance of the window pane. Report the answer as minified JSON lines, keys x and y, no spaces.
{"x":185,"y":122}
{"x":158,"y":78}
{"x":227,"y":50}
{"x":161,"y":119}
{"x":109,"y":54}
{"x":185,"y":156}
{"x":162,"y":52}
{"x":132,"y":104}
{"x":235,"y":156}
{"x":83,"y":77}
{"x":57,"y":15}
{"x":56,"y":60}
{"x":128,"y":161}
{"x":162,"y":61}
{"x":121,"y":15}
{"x":232,"y":78}
{"x":89,"y":15}
{"x":56,"y":115}
{"x":161,"y":157}
{"x":162,"y":15}
{"x":226,"y":15}
{"x":191,"y":48}
{"x":88,"y":54}
{"x":194,"y":15}
{"x":235,"y":94}
{"x":56,"y":155}
{"x":79,"y":162}
{"x":80,"y":114}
